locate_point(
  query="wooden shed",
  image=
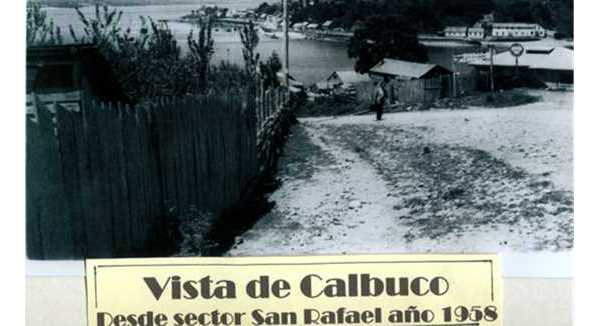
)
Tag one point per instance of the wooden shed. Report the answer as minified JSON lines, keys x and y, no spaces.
{"x":65,"y":71}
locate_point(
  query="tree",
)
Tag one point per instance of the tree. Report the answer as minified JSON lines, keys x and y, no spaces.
{"x":552,"y":14}
{"x":385,"y":37}
{"x":40,"y":29}
{"x":201,"y":51}
{"x":250,"y":40}
{"x":269,"y":70}
{"x":147,"y":64}
{"x":102,"y":29}
{"x":269,"y":9}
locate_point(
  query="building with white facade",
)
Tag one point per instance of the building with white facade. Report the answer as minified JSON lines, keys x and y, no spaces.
{"x":455,"y":31}
{"x":517,"y":30}
{"x":477,"y":33}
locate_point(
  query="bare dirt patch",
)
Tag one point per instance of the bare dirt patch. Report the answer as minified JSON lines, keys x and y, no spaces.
{"x":446,"y":191}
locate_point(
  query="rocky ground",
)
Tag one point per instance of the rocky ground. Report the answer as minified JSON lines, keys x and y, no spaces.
{"x":492,"y":180}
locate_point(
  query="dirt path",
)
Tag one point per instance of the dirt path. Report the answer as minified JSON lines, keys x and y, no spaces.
{"x":415,"y":183}
{"x":330,"y":202}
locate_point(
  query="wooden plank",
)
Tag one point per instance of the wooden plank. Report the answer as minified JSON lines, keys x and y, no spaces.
{"x":173,"y":151}
{"x":151,"y":155}
{"x":214,"y":156}
{"x":69,"y":128}
{"x":222,"y":146}
{"x":180,"y":155}
{"x":193,"y":108}
{"x":159,"y":138}
{"x":153,"y":181}
{"x":99,"y":226}
{"x":169,"y":170}
{"x":122,"y":219}
{"x":185,"y":152}
{"x":110,"y":176}
{"x":34,"y":170}
{"x":203,"y":144}
{"x":85,"y":174}
{"x":131,"y":157}
{"x":55,"y":225}
{"x":147,"y":216}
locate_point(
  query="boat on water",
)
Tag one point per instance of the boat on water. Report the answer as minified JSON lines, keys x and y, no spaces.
{"x":279,"y":34}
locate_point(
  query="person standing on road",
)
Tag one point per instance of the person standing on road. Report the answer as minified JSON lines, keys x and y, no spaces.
{"x":379,"y":99}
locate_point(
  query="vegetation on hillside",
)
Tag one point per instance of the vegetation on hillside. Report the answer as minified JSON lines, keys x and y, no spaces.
{"x":434,"y":15}
{"x":389,"y":28}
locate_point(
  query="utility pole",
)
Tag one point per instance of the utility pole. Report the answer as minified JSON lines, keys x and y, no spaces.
{"x":491,"y":46}
{"x":453,"y":75}
{"x":286,"y":47}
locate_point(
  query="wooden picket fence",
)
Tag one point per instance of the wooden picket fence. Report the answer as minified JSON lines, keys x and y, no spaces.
{"x":101,"y":180}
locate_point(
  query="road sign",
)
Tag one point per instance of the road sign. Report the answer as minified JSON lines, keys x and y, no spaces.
{"x":517,"y":50}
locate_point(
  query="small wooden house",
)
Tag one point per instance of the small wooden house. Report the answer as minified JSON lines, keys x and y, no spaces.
{"x":61,"y":73}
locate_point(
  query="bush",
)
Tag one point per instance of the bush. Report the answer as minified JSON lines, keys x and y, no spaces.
{"x":189,"y":229}
{"x":330,"y":105}
{"x":503,"y":99}
{"x":40,"y":29}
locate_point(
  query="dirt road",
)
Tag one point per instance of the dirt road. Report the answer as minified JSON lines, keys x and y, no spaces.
{"x":492,"y":180}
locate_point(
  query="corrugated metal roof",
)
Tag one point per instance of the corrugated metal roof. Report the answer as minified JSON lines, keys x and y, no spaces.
{"x":403,"y":69}
{"x":535,"y":58}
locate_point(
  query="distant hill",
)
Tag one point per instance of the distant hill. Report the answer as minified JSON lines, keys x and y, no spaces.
{"x":435,"y":15}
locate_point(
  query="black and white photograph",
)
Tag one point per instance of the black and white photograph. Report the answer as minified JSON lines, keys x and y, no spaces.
{"x":160,"y":128}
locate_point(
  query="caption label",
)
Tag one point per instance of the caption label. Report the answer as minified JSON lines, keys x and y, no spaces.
{"x":448,"y":290}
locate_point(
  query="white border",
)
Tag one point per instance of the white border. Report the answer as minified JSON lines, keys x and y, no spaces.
{"x":587,"y":162}
{"x":12,"y":170}
{"x":525,"y":265}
